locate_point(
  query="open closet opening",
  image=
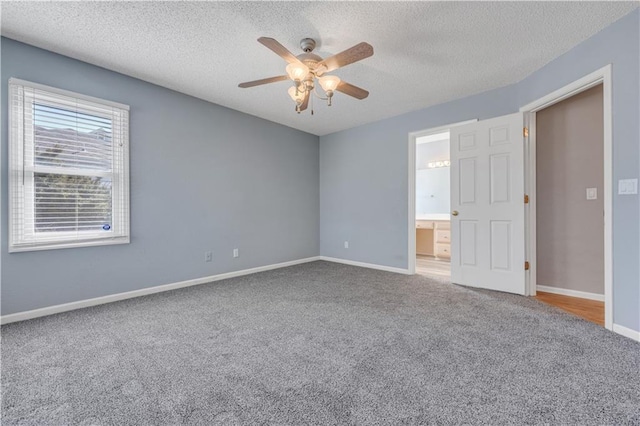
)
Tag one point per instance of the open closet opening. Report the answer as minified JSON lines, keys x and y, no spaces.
{"x":569,"y":193}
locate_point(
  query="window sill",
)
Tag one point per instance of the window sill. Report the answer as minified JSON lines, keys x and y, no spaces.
{"x":74,"y":244}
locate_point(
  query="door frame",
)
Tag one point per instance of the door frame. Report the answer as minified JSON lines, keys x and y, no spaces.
{"x":411,"y":196}
{"x":601,"y":76}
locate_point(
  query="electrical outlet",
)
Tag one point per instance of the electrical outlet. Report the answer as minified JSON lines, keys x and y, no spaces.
{"x":592,"y":193}
{"x":627,"y":186}
{"x":208,"y":256}
{"x":346,"y":244}
{"x":236,"y":253}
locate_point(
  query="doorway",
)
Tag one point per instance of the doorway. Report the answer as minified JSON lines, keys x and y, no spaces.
{"x":433,"y":195}
{"x":570,"y":186}
{"x":429,"y":234}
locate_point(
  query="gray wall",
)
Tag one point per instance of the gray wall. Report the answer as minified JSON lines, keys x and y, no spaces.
{"x":363,"y":171}
{"x":203,"y":177}
{"x":570,"y":159}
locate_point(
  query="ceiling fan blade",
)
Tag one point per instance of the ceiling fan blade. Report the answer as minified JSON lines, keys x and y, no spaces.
{"x":263,"y":81}
{"x":279,"y":49}
{"x":351,"y":90}
{"x":349,"y":56}
{"x":305,"y":102}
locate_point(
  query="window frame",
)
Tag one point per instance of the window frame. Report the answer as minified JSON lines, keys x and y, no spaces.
{"x":22,"y":234}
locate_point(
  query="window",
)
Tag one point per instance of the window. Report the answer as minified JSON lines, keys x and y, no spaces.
{"x":68,"y":169}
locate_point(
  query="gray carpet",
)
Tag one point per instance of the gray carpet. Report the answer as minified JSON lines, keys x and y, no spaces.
{"x":318,"y":343}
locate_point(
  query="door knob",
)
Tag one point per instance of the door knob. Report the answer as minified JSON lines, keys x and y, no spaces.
{"x":455,"y":212}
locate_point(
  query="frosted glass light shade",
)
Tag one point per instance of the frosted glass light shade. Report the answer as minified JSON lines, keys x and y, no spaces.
{"x":297,"y":72}
{"x":299,"y":97}
{"x":329,"y":82}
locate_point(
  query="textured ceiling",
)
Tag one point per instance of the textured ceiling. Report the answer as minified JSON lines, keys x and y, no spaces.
{"x":425,"y":52}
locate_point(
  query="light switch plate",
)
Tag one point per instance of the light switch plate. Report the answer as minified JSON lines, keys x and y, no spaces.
{"x":592,"y":193}
{"x":627,"y":186}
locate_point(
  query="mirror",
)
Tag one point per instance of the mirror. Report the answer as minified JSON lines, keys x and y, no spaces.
{"x":433,"y":184}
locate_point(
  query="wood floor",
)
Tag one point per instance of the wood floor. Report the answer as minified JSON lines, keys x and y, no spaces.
{"x":429,"y":265}
{"x":591,"y":310}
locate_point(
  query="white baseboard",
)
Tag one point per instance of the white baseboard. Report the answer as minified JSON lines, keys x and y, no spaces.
{"x":366,"y":265}
{"x":627,"y":332}
{"x":572,"y":293}
{"x":50,"y":310}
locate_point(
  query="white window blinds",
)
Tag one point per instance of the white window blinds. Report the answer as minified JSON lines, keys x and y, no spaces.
{"x":68,"y":169}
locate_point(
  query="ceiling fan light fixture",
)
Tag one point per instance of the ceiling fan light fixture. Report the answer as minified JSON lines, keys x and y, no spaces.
{"x":329,"y":83}
{"x":297,"y":71}
{"x":296,"y":95}
{"x":307,"y":69}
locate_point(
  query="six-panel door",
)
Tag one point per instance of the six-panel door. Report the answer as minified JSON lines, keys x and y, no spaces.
{"x":487,"y":190}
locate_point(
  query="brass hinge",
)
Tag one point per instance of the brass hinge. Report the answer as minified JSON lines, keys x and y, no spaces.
{"x":526,"y":266}
{"x":525,"y":132}
{"x":526,"y":199}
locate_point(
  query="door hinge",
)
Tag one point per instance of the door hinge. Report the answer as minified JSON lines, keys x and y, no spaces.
{"x":526,"y":199}
{"x":525,"y":132}
{"x":526,"y":266}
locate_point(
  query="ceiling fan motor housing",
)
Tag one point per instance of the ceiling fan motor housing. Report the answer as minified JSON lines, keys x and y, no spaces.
{"x":307,"y":45}
{"x":310,"y":60}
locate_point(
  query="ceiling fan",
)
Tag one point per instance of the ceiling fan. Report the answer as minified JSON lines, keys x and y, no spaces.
{"x":307,"y":69}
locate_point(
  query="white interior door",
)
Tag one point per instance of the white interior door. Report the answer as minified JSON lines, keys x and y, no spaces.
{"x":487,"y":203}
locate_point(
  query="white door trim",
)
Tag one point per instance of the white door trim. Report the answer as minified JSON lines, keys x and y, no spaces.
{"x":411,"y":196}
{"x":603,"y":75}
